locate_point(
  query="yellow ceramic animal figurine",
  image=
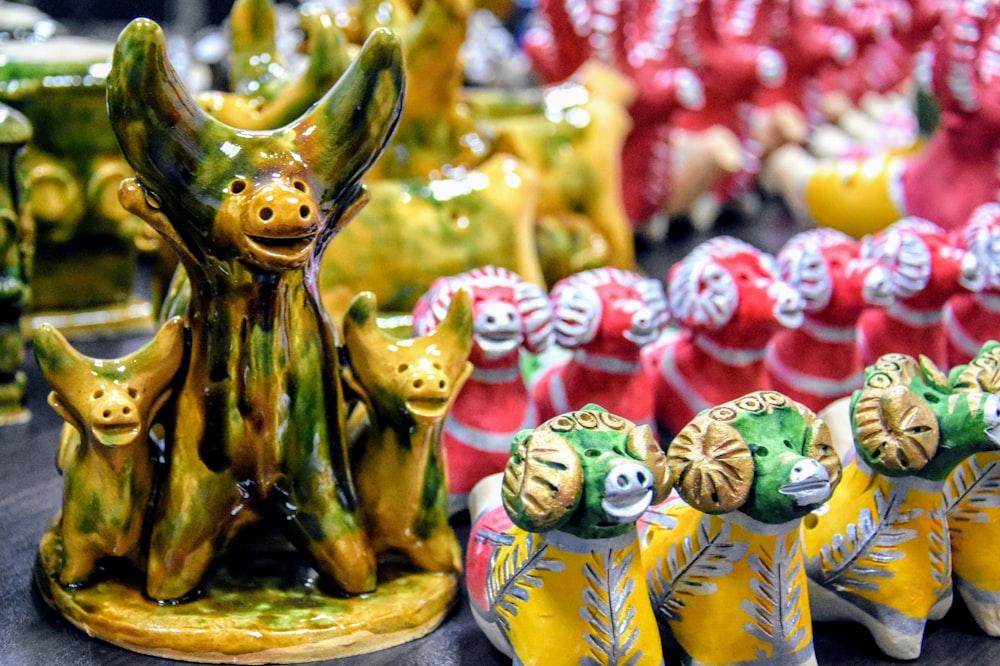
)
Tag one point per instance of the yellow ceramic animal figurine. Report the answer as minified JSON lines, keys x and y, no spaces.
{"x":724,"y":560}
{"x":880,"y":556}
{"x":553,"y":565}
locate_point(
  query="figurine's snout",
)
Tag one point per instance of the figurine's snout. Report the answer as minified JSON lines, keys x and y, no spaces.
{"x":628,"y":491}
{"x":498,"y":328}
{"x":115,"y":418}
{"x":808,"y":483}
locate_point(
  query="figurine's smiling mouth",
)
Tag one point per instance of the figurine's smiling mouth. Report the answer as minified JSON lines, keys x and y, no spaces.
{"x":427,"y":407}
{"x":627,"y":506}
{"x":807,"y":492}
{"x":117,"y":434}
{"x":294,"y":244}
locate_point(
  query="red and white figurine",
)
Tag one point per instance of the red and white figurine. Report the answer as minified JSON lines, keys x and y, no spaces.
{"x":972,"y":319}
{"x":604,"y":317}
{"x":820,"y":361}
{"x":509,"y":314}
{"x":728,"y":301}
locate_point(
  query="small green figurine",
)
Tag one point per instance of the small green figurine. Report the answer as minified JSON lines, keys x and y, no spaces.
{"x":16,"y":246}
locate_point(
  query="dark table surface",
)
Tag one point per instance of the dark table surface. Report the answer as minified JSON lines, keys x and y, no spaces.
{"x":31,"y":490}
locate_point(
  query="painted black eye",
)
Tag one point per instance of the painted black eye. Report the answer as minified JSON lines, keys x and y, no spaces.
{"x":758,"y":450}
{"x":592,"y":453}
{"x":238,"y":186}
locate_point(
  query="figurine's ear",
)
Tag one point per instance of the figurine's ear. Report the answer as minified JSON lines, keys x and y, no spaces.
{"x":360,"y":322}
{"x":455,"y":331}
{"x":819,"y":445}
{"x":343,"y":134}
{"x":895,"y":430}
{"x":711,"y":465}
{"x":163,"y":354}
{"x":543,"y":481}
{"x":58,"y":360}
{"x":642,"y":444}
{"x":933,"y":375}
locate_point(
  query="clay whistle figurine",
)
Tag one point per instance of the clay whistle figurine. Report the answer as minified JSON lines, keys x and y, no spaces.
{"x":727,"y":300}
{"x":106,"y":452}
{"x":408,"y":386}
{"x":973,"y":318}
{"x":880,"y":556}
{"x":821,"y":360}
{"x":249,"y":214}
{"x":508,"y":314}
{"x":16,"y":250}
{"x":553,"y":565}
{"x":972,"y":501}
{"x":927,"y":270}
{"x":724,"y":560}
{"x":603,"y":317}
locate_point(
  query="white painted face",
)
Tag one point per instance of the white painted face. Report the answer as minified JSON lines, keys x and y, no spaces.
{"x":628,"y":492}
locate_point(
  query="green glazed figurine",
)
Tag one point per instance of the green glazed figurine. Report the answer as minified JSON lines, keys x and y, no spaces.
{"x":251,"y":481}
{"x":16,"y":249}
{"x":86,"y":252}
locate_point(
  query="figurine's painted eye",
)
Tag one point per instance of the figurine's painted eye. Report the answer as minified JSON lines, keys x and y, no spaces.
{"x":299,"y":185}
{"x":132,"y":393}
{"x":932,"y":397}
{"x":98,"y":394}
{"x":592,"y":453}
{"x":991,"y":409}
{"x":758,"y":450}
{"x":402,"y":367}
{"x":238,"y":186}
{"x":788,"y":445}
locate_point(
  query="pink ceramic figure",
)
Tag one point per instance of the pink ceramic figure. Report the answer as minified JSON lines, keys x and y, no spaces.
{"x":926,"y":271}
{"x":605,"y":317}
{"x":726,"y":43}
{"x":820,"y":361}
{"x":809,"y":45}
{"x":508,"y":314}
{"x":972,"y":319}
{"x":947,"y":178}
{"x":728,"y":301}
{"x":639,"y":39}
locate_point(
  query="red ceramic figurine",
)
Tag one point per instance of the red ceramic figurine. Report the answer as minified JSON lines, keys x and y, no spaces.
{"x":927,"y":271}
{"x":604,"y":317}
{"x":494,"y":405}
{"x":728,"y":301}
{"x":820,"y":361}
{"x":972,"y":319}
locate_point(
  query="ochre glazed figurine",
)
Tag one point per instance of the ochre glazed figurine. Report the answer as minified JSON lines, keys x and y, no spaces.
{"x":254,"y":505}
{"x":553,"y":565}
{"x":880,"y":556}
{"x":725,"y":560}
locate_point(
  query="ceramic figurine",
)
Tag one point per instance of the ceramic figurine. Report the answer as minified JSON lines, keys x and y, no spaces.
{"x":572,"y":134}
{"x":553,"y":566}
{"x":508,"y":315}
{"x":255,"y":503}
{"x":865,"y":196}
{"x":264,"y":94}
{"x":637,"y":41}
{"x":16,"y":250}
{"x":821,"y":361}
{"x":931,"y":270}
{"x":809,"y":44}
{"x":724,"y":43}
{"x":727,"y":299}
{"x":880,"y":556}
{"x":972,"y":319}
{"x":408,"y":386}
{"x":106,"y":454}
{"x":427,"y":229}
{"x":724,"y":560}
{"x":972,"y":501}
{"x":603,"y":317}
{"x":85,"y":252}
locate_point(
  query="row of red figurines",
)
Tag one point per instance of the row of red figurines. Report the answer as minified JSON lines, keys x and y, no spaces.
{"x":805,"y":322}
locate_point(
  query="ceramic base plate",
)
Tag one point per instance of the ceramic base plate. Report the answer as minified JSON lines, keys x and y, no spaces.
{"x":264,"y":608}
